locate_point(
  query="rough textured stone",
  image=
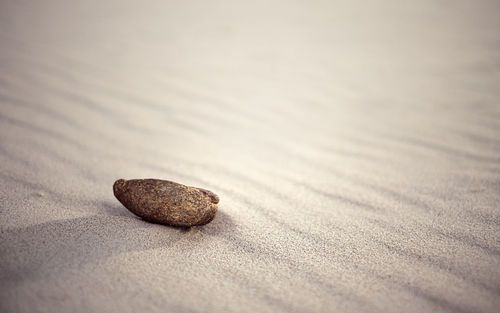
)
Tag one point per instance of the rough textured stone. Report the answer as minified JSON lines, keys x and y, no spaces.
{"x":166,"y":202}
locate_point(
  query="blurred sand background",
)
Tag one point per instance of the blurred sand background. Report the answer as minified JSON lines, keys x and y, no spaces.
{"x":355,"y":146}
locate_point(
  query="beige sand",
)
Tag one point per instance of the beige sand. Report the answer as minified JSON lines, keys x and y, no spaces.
{"x":355,"y":147}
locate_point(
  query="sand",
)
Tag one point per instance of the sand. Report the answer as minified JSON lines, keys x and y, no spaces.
{"x":355,"y":147}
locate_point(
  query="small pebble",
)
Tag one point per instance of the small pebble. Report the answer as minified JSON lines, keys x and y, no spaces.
{"x":166,"y":202}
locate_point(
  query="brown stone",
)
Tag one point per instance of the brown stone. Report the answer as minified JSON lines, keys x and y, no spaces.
{"x":166,"y":202}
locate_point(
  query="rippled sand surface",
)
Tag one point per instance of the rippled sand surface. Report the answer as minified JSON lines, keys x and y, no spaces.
{"x":355,"y":147}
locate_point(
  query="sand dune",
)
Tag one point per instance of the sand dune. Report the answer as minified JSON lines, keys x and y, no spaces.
{"x":354,"y":145}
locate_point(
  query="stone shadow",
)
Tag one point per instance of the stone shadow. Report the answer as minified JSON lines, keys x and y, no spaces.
{"x":28,"y":252}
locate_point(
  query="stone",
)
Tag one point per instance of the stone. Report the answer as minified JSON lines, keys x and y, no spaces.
{"x":166,"y":202}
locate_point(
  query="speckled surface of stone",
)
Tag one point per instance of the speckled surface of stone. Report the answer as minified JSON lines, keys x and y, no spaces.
{"x":166,"y":202}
